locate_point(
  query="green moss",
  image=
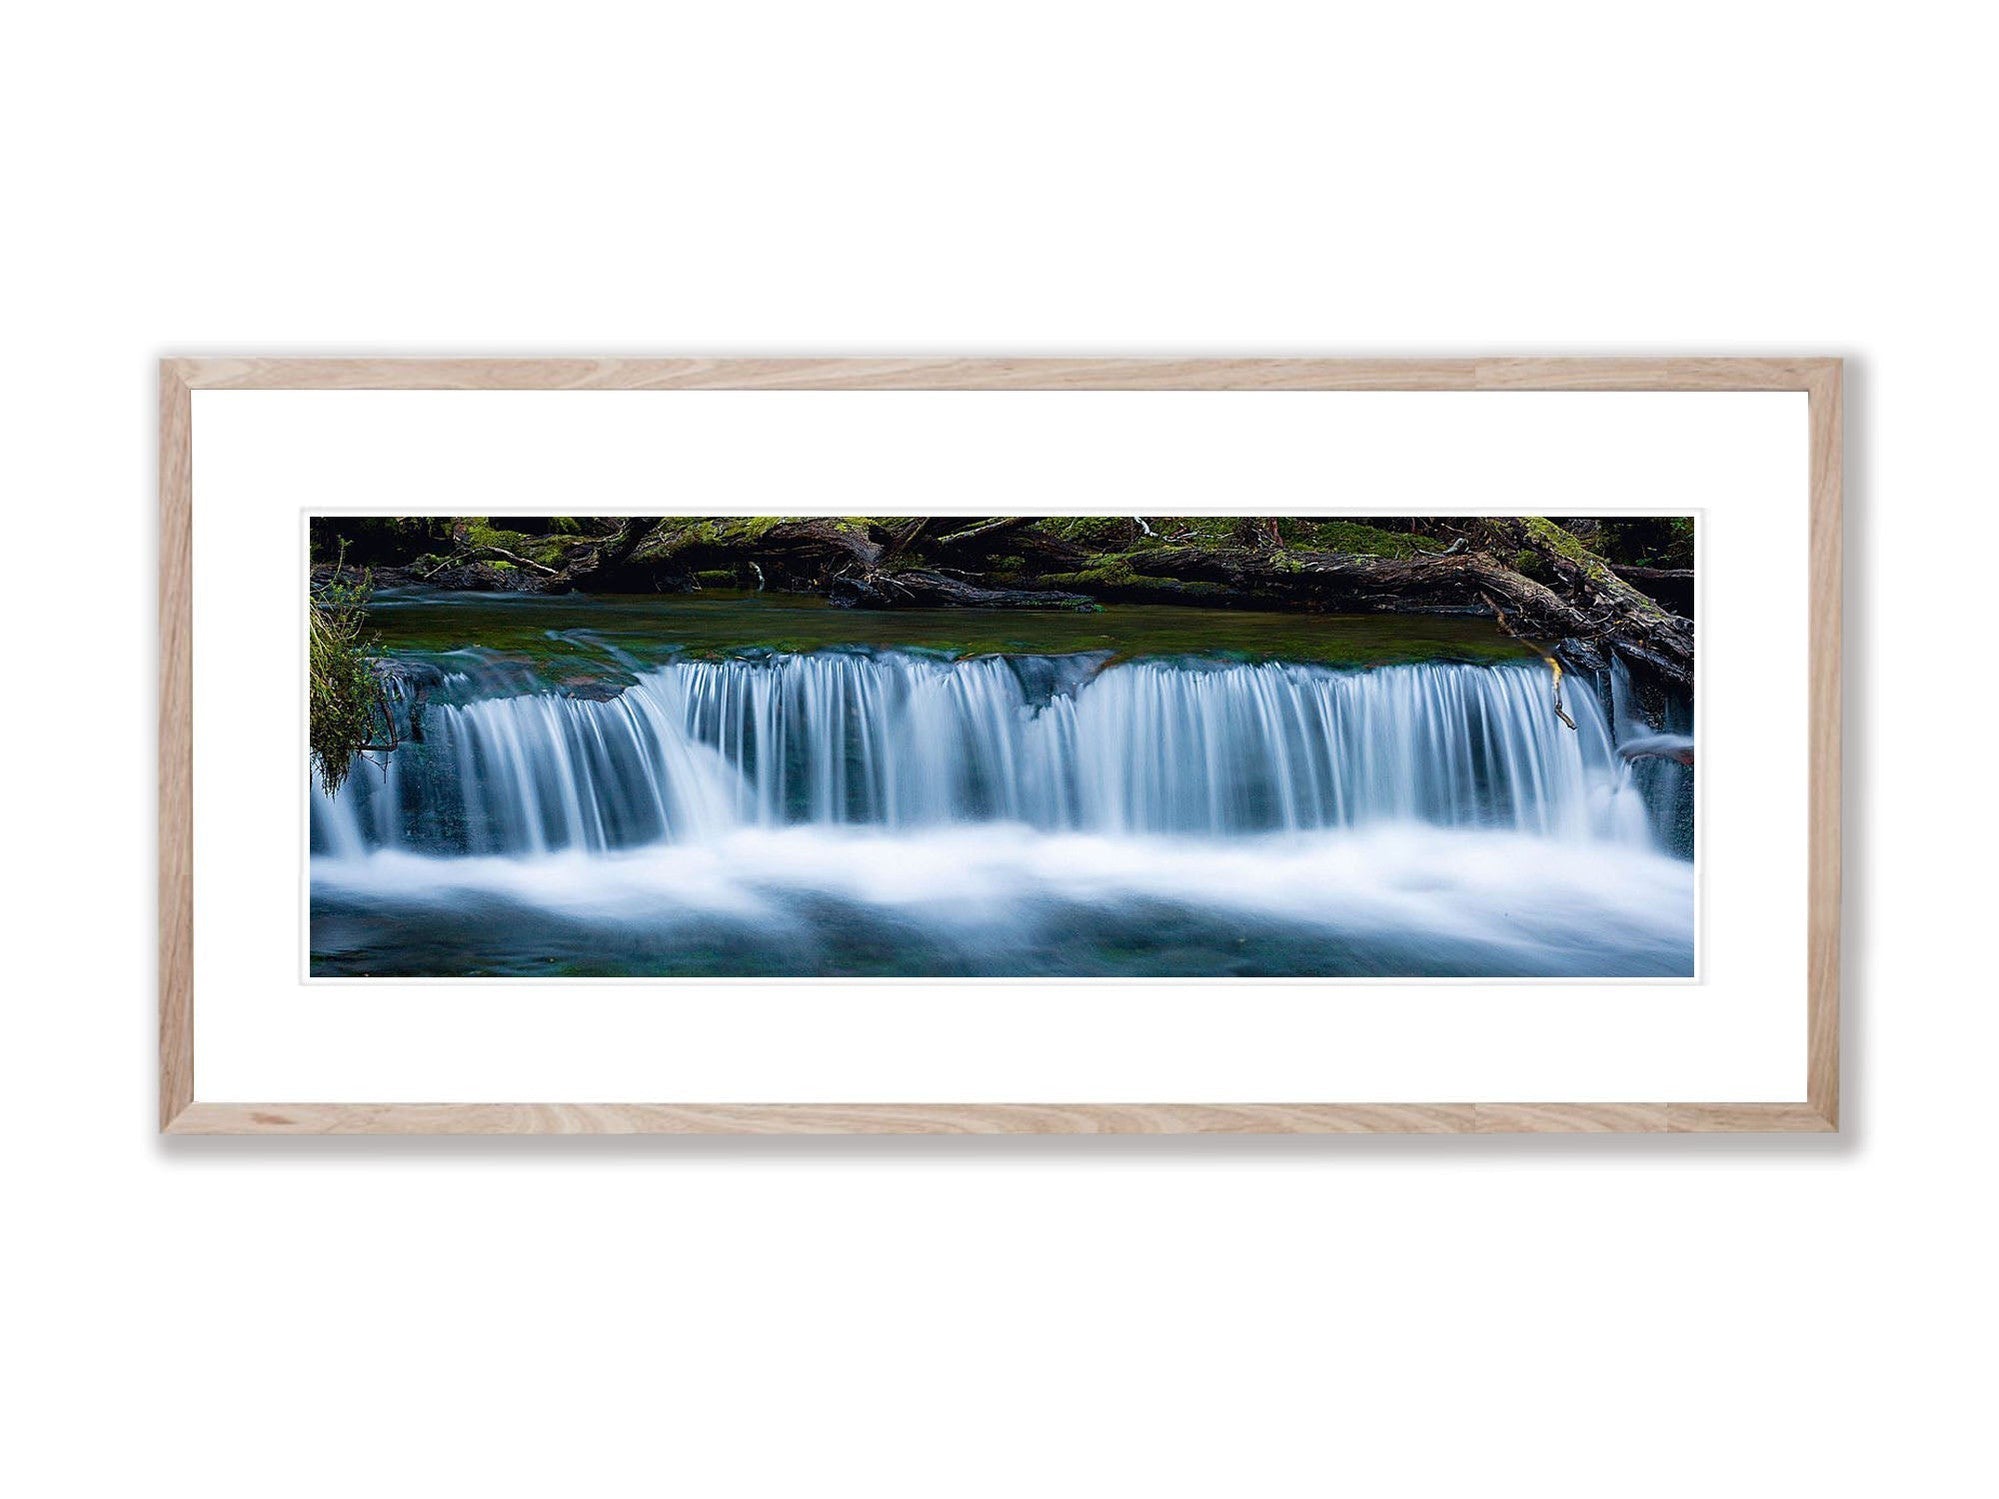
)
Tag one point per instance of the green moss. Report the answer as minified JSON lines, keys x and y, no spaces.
{"x":475,"y":533}
{"x":1102,"y":531}
{"x":1592,"y":567}
{"x":479,"y":532}
{"x":1355,"y":539}
{"x":1556,"y":539}
{"x":1564,"y":544}
{"x":1113,"y":571}
{"x":663,"y":540}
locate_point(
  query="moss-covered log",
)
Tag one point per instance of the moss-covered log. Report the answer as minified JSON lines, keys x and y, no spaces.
{"x":920,"y":588}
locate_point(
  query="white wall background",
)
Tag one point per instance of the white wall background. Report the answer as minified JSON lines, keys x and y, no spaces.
{"x":987,"y":1317}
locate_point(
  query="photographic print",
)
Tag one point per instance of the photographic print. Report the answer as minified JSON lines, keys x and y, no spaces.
{"x":1100,"y":746}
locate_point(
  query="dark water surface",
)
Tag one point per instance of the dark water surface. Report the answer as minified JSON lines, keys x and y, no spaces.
{"x":589,"y":637}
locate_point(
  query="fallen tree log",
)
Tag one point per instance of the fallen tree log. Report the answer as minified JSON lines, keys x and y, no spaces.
{"x":1593,"y":609}
{"x":1671,"y":586}
{"x":1596,"y":604}
{"x":803,"y":553}
{"x":1540,"y":579}
{"x":597,"y":555}
{"x":915,"y":588}
{"x":465,"y":556}
{"x":980,"y":536}
{"x":849,"y":561}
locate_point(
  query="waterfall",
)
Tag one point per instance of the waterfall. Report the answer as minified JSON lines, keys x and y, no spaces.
{"x":1663,"y":785}
{"x":902,"y":740}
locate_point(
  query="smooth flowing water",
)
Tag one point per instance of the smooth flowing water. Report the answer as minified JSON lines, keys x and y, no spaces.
{"x":881,"y":810}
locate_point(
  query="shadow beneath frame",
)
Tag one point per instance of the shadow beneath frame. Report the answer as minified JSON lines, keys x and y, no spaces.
{"x":1671,"y":1150}
{"x":571,"y":1151}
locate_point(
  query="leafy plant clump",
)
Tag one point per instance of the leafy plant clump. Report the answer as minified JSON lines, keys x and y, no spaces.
{"x":348,"y":714}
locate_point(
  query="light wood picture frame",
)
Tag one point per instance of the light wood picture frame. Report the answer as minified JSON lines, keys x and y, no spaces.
{"x":183,"y":1111}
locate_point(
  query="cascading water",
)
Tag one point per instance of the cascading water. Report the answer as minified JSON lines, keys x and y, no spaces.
{"x":842,"y":811}
{"x":1659,"y":760}
{"x":904,"y":741}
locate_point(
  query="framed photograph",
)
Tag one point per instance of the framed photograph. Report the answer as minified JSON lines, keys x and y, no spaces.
{"x":997,"y":745}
